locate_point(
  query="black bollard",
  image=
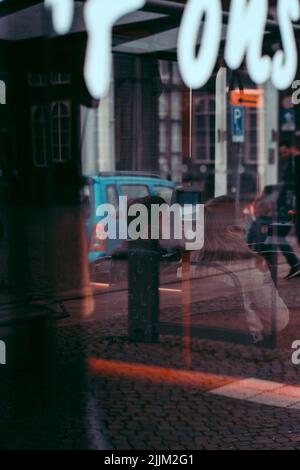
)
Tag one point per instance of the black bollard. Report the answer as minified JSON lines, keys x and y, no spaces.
{"x":143,"y":296}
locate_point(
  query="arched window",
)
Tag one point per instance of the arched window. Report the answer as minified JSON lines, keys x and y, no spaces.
{"x":39,"y":137}
{"x":61,"y":131}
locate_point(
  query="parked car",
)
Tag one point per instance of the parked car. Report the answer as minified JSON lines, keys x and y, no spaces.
{"x":106,"y":189}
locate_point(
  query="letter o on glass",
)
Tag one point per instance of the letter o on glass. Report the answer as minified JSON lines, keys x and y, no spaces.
{"x":196,"y":70}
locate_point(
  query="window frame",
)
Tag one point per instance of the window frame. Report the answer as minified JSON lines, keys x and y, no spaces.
{"x":67,"y":104}
{"x":208,"y":114}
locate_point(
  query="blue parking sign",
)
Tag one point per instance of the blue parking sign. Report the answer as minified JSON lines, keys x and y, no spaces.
{"x":237,"y":124}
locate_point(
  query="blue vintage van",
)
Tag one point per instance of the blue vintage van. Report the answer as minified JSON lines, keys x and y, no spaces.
{"x":106,"y":189}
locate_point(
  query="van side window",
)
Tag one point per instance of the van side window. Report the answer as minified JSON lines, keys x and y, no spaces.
{"x":112,"y":195}
{"x":86,"y":201}
{"x":134,"y":191}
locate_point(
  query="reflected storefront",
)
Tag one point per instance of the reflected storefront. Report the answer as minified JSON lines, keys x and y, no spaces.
{"x":149,"y":238}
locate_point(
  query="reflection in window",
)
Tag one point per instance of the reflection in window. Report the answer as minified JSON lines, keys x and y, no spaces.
{"x":176,"y":137}
{"x":59,"y":78}
{"x":176,"y":78}
{"x":112,"y":195}
{"x":86,"y":196}
{"x":37,"y":79}
{"x":42,"y":79}
{"x":170,"y":121}
{"x":2,"y":92}
{"x":61,"y":131}
{"x":163,"y":137}
{"x":163,"y":106}
{"x":134,"y":191}
{"x":165,"y":71}
{"x":169,"y":72}
{"x":165,"y":193}
{"x":251,"y":141}
{"x":39,"y":135}
{"x":176,"y":105}
{"x":204,"y":122}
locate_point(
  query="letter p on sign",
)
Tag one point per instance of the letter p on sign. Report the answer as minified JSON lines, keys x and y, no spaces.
{"x":237,"y":124}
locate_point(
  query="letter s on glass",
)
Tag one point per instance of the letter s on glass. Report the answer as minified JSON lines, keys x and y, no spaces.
{"x":196,"y":70}
{"x":296,"y":354}
{"x":285,"y":62}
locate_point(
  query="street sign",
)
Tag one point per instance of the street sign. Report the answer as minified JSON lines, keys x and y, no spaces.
{"x":250,"y":98}
{"x":237,"y":124}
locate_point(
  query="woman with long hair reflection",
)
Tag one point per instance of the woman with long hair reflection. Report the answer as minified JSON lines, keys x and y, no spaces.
{"x":225,"y":250}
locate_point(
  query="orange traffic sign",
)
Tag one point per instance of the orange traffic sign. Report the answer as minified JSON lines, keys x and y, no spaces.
{"x":249,"y":98}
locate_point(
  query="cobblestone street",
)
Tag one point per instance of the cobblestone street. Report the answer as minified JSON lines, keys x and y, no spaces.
{"x":159,"y":404}
{"x":152,"y":413}
{"x":104,"y":392}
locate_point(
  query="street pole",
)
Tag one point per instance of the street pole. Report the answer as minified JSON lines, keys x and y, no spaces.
{"x":186,"y":301}
{"x":238,"y":182}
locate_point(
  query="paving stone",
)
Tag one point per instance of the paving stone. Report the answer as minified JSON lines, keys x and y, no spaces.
{"x":274,"y":399}
{"x":258,"y":407}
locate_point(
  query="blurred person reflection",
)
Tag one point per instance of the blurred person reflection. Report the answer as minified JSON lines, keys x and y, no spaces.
{"x":274,"y":206}
{"x":166,"y":250}
{"x":225,"y":245}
